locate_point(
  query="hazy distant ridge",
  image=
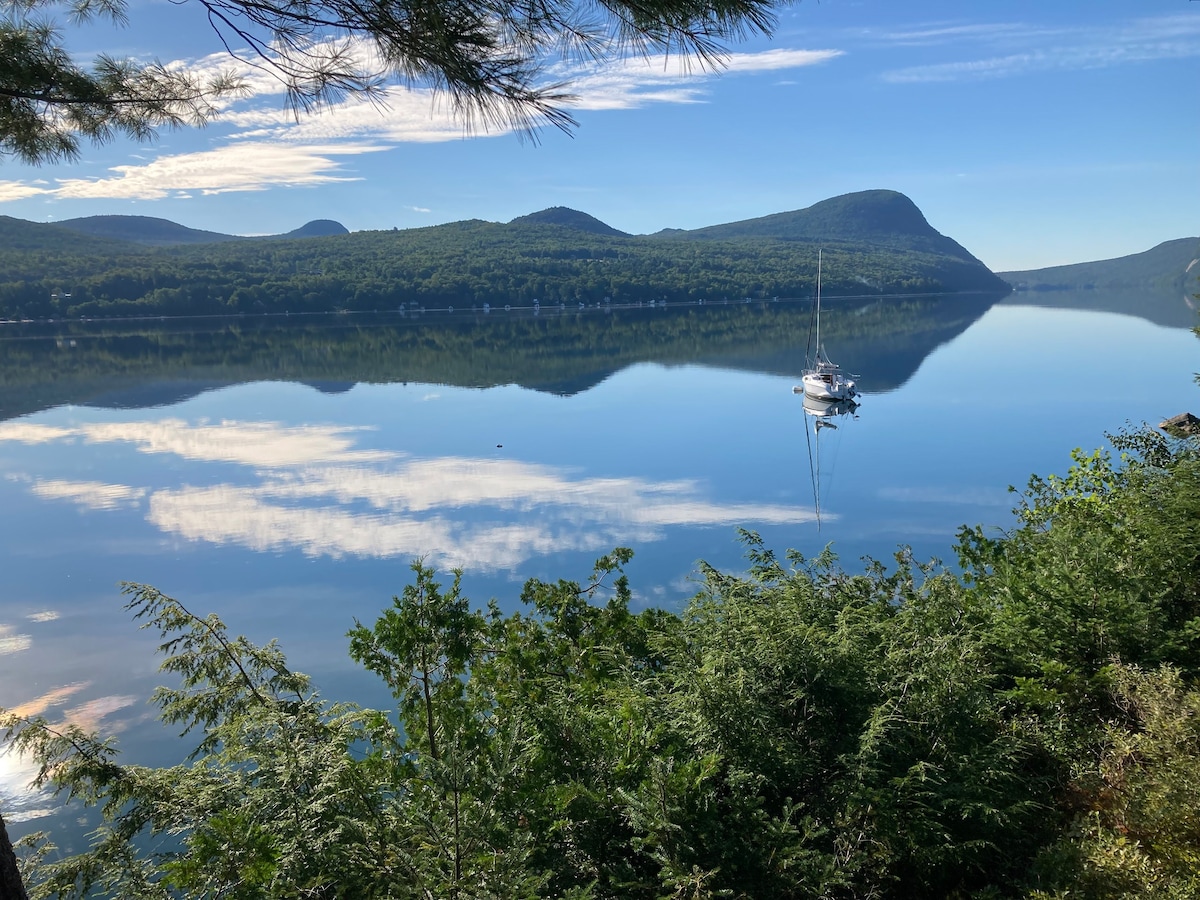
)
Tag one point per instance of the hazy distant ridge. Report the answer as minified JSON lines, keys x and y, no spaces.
{"x":1171,"y":266}
{"x":154,"y":232}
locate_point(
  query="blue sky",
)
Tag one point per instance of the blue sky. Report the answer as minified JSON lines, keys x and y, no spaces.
{"x":1034,"y":133}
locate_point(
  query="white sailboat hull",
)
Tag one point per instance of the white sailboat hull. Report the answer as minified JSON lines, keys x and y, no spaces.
{"x":824,"y":379}
{"x":828,"y":386}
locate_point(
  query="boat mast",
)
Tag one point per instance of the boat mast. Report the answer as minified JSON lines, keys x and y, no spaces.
{"x":817,"y":351}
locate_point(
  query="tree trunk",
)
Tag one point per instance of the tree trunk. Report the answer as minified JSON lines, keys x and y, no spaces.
{"x":11,"y":886}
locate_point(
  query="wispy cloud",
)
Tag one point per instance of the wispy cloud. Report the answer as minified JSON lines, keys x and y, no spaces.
{"x":265,"y":145}
{"x":245,"y":166}
{"x":641,"y":81}
{"x":945,"y":33}
{"x":1015,"y":49}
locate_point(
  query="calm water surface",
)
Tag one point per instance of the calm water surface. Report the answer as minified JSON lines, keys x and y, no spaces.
{"x":292,"y":508}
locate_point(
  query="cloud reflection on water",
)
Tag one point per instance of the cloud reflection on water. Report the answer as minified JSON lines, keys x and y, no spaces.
{"x":21,"y":801}
{"x":13,"y":642}
{"x":315,"y":491}
{"x":265,"y":444}
{"x":90,"y":494}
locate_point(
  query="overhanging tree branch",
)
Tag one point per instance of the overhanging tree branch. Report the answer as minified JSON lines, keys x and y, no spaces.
{"x":490,"y":57}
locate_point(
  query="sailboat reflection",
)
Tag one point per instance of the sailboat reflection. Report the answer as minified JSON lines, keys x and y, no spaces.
{"x":822,"y":413}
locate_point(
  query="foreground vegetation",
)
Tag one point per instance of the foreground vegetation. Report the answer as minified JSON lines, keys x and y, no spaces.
{"x":1026,"y":727}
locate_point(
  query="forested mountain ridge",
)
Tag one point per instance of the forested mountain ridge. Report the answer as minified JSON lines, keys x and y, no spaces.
{"x":875,"y":244}
{"x":885,"y":218}
{"x":1170,"y":266}
{"x":568,"y":218}
{"x":18,"y":235}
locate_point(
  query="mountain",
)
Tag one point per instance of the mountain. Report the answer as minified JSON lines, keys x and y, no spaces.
{"x":21,"y":235}
{"x":883,"y":218}
{"x":876,"y":244}
{"x":317,"y":228}
{"x":145,"y":230}
{"x":568,"y":218}
{"x":1171,"y":267}
{"x":151,"y":232}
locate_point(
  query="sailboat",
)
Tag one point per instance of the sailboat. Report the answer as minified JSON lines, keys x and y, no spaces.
{"x":822,"y":378}
{"x":822,"y":414}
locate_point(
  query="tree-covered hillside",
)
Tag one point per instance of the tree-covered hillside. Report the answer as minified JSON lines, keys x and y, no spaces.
{"x":880,"y":218}
{"x":568,"y":218}
{"x":462,"y":264}
{"x":142,"y":230}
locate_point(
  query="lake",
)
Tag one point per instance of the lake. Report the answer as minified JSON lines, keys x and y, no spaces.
{"x":284,"y":474}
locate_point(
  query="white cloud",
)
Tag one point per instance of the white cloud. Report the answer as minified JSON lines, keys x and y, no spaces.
{"x":778,"y":59}
{"x":20,"y":190}
{"x":400,"y":115}
{"x":269,"y":146}
{"x":244,"y":166}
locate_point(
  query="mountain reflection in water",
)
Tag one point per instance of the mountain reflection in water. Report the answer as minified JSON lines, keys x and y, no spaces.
{"x":137,"y":366}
